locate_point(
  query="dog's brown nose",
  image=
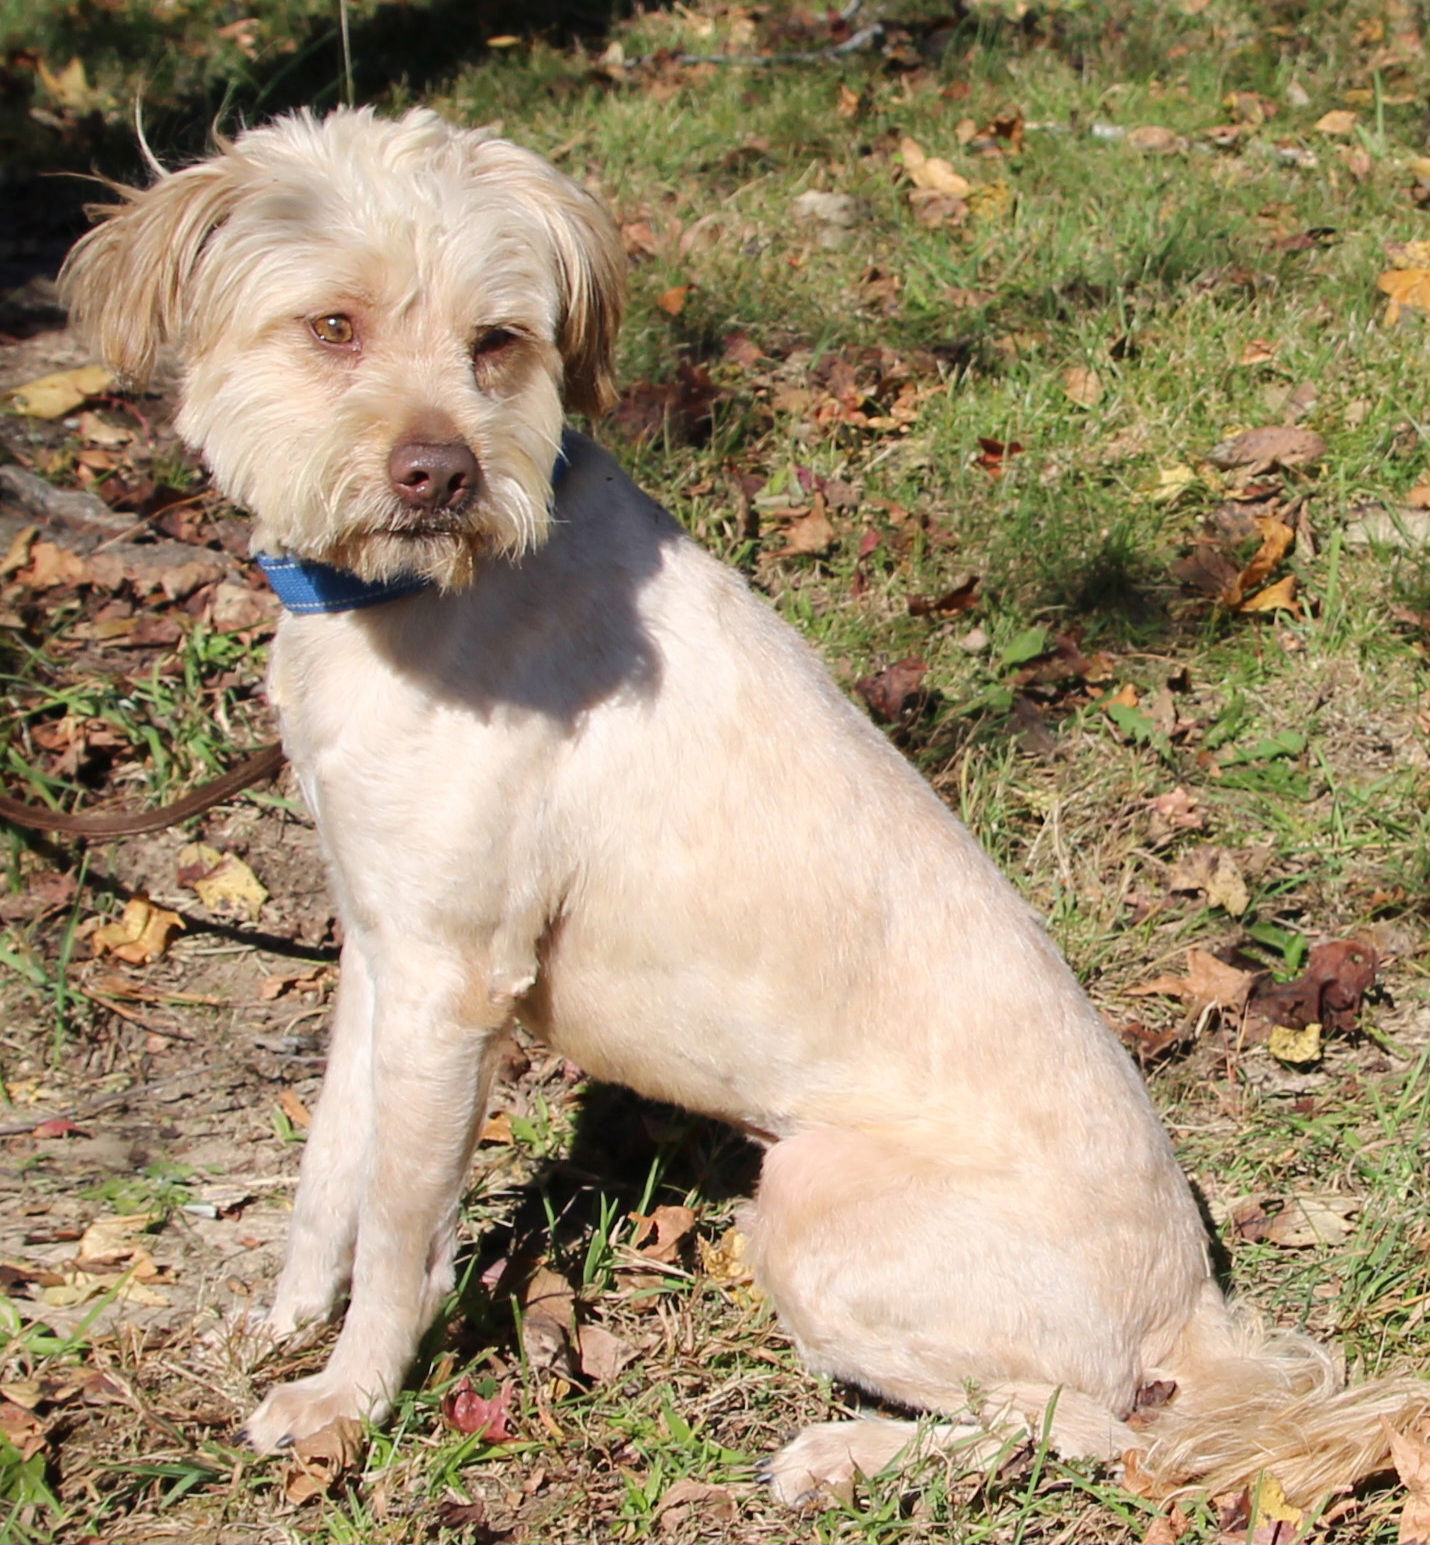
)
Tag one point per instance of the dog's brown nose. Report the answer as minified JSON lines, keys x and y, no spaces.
{"x":432,"y":477}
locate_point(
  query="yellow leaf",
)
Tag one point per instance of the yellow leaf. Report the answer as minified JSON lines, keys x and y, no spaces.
{"x":139,"y":935}
{"x":55,"y":395}
{"x":1339,"y":120}
{"x":1280,"y":597}
{"x":1170,"y":483}
{"x":991,"y":200}
{"x":931,"y":172}
{"x":70,"y":87}
{"x":1083,"y":385}
{"x":1273,"y":1508}
{"x":503,"y":40}
{"x":1153,"y":140}
{"x":1406,"y":287}
{"x":223,"y":882}
{"x":1298,"y":1047}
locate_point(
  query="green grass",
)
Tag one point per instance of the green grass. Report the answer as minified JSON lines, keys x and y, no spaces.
{"x":1188,"y":282}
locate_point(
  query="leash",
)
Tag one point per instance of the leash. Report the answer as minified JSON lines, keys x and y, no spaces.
{"x":257,"y":767}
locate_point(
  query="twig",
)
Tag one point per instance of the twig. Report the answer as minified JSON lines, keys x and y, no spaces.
{"x":93,"y":1107}
{"x":852,"y":44}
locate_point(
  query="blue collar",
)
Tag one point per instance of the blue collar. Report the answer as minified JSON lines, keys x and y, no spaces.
{"x":304,"y":586}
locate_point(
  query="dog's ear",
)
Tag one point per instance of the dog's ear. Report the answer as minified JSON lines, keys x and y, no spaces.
{"x":593,"y":273}
{"x":126,"y":282}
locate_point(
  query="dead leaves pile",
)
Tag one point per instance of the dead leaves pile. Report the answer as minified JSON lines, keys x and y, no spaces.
{"x":1293,"y":1018}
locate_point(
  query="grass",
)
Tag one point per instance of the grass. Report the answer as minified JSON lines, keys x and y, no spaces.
{"x":1224,"y":283}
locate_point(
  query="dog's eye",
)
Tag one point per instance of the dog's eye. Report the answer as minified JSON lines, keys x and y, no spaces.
{"x":491,"y":341}
{"x":335,"y":329}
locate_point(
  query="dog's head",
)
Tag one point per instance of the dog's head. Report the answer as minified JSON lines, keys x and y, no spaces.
{"x":380,"y":324}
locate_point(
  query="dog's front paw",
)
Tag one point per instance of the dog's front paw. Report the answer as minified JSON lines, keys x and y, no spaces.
{"x":294,"y":1411}
{"x":827,"y":1456}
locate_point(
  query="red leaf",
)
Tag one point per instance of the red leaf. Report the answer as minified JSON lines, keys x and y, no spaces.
{"x":471,"y":1413}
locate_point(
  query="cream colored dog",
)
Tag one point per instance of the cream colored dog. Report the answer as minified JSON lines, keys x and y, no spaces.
{"x":584,"y":779}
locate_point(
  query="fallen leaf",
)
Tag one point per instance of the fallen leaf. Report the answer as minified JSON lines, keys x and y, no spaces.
{"x":295,"y":1110}
{"x":714,"y":1504}
{"x":1340,"y":121}
{"x":1209,"y":982}
{"x":1214,"y":871}
{"x":69,"y":87}
{"x":548,"y":1322}
{"x":1329,"y":992}
{"x":660,"y":1235}
{"x":1300,"y":1047}
{"x":1169,"y":483}
{"x":1167,"y":1528}
{"x":108,"y":1239}
{"x":672,"y":301}
{"x":932,"y":173}
{"x":603,"y":1355}
{"x":993,"y":453}
{"x":321,"y":1459}
{"x":893,"y":690}
{"x":1405,"y":287}
{"x":1276,"y":1521}
{"x":141,"y":934}
{"x":23,"y":1429}
{"x":1280,"y":597}
{"x":53,"y":396}
{"x":1283,"y":445}
{"x":1177,"y":810}
{"x":1083,"y":385}
{"x":809,"y":535}
{"x":222,"y":881}
{"x":472,"y":1413}
{"x":1153,"y":140}
{"x":1411,"y":1454}
{"x":1307,"y":1222}
{"x":832,"y":215}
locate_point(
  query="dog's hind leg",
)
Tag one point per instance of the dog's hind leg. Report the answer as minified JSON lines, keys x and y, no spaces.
{"x":432,"y":1063}
{"x":318,"y":1262}
{"x":943,"y":1285}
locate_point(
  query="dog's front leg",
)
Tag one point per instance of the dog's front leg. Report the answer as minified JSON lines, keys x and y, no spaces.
{"x":431,"y":1068}
{"x":318,"y":1263}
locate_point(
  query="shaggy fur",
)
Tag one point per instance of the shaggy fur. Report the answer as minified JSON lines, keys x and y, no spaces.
{"x":590,"y":782}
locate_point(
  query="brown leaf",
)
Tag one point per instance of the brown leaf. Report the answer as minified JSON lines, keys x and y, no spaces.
{"x":1083,"y":385}
{"x":891,"y":691}
{"x":1411,"y":1454}
{"x":1177,"y":810}
{"x":932,"y":173}
{"x":1214,"y":871}
{"x":809,"y":535}
{"x":1328,"y":992}
{"x":963,"y":595}
{"x":548,"y":1322}
{"x":660,"y":1235}
{"x":1209,"y":982}
{"x":1312,"y":1222}
{"x":295,"y":1110}
{"x":602,"y":1354}
{"x":140,"y":935}
{"x":672,"y":301}
{"x":993,"y":453}
{"x":1154,"y":140}
{"x":1167,"y":1528}
{"x":1277,"y":539}
{"x":23,"y":1428}
{"x":321,"y":1459}
{"x":1280,"y":445}
{"x":1340,"y":121}
{"x":715,"y":1505}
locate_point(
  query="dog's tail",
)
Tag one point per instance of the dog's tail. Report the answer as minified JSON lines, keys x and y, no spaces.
{"x":1249,"y":1399}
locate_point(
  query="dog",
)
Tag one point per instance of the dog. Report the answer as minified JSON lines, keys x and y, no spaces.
{"x":568,"y":770}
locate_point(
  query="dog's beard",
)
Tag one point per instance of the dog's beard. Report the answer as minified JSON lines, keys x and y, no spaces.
{"x":505,"y":518}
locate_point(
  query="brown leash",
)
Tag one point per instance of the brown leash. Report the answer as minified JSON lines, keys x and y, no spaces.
{"x":262,"y":764}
